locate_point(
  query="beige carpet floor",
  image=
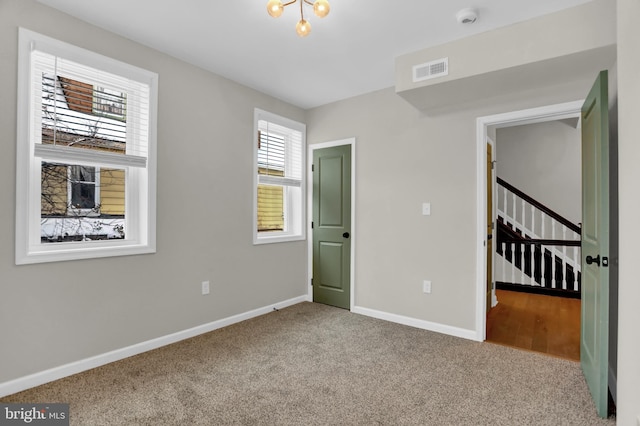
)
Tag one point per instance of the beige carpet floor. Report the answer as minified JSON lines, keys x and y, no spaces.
{"x":312,"y":364}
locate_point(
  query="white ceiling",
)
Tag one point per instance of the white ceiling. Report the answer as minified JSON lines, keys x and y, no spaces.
{"x":348,"y":53}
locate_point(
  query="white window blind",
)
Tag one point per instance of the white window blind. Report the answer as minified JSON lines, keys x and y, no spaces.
{"x":69,"y":106}
{"x":279,"y":155}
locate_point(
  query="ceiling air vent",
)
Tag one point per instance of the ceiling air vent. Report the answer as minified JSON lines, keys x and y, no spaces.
{"x":433,"y":69}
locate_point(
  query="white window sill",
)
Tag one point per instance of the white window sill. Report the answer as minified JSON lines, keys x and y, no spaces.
{"x":270,"y":239}
{"x":58,"y":252}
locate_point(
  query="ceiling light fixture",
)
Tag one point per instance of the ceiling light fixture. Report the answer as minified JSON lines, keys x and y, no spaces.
{"x":303,"y":28}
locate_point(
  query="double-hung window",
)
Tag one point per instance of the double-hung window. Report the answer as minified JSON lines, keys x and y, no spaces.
{"x":86,"y":169}
{"x":279,"y":200}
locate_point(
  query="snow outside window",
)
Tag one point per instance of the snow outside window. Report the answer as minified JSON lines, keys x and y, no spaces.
{"x":279,"y":200}
{"x":86,"y":154}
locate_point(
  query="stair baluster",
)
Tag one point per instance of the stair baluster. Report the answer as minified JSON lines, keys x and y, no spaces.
{"x":553,"y":237}
{"x":524,"y":243}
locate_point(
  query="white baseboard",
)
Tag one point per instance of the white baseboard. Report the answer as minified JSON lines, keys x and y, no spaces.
{"x":413,"y":322}
{"x":40,"y":378}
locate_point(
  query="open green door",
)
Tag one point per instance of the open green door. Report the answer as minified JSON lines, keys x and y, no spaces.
{"x":332,"y":226}
{"x":594,"y":337}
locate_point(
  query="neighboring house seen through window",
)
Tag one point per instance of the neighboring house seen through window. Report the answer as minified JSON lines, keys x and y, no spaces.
{"x":86,"y":154}
{"x":84,"y":188}
{"x":109,"y":103}
{"x":279,"y":178}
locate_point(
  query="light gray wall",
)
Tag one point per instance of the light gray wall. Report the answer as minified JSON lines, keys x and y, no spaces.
{"x":563,"y":33}
{"x":405,"y":158}
{"x":628,"y":402}
{"x":57,"y":313}
{"x":544,"y":161}
{"x":556,"y":49}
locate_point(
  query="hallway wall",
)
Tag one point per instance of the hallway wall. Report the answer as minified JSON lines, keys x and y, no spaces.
{"x":544,"y":161}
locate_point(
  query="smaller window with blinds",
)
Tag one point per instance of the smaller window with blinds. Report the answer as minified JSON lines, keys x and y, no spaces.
{"x":279,"y":200}
{"x":85,"y":179}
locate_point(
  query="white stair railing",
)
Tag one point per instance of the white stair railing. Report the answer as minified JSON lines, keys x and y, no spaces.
{"x":557,"y":242}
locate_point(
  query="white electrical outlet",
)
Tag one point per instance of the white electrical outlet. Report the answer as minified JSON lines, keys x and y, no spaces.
{"x":426,"y":209}
{"x":205,"y":287}
{"x":426,"y":286}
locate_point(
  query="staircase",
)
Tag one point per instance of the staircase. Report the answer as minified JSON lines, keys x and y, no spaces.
{"x":538,"y":249}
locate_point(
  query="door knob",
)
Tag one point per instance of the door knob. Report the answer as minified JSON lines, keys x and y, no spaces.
{"x":595,"y":260}
{"x":345,"y":235}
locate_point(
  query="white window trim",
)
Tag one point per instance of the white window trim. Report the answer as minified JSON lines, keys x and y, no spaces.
{"x":141,"y":203}
{"x":297,"y":228}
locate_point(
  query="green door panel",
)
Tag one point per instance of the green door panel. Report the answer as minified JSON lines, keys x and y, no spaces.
{"x":332,"y":226}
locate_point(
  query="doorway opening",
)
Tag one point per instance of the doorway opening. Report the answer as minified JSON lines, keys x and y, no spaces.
{"x":485,"y":127}
{"x":533,"y":264}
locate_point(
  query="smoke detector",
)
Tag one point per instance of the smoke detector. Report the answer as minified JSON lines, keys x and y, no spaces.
{"x":467,"y":16}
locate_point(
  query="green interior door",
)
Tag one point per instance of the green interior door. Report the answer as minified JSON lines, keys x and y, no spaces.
{"x":332,"y":226}
{"x":594,"y":337}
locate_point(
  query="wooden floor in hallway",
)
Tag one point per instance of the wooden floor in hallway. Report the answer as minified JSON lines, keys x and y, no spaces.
{"x":536,"y":322}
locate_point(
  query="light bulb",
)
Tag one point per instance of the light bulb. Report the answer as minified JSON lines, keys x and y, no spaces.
{"x":275,"y":8}
{"x":321,"y":8}
{"x":303,"y":28}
